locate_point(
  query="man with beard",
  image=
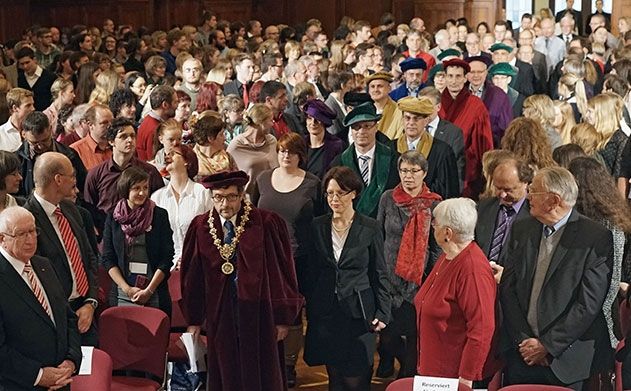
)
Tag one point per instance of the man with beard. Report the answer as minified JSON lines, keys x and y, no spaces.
{"x":467,"y":112}
{"x":239,"y":280}
{"x":191,"y":73}
{"x":164,"y":101}
{"x":412,"y":69}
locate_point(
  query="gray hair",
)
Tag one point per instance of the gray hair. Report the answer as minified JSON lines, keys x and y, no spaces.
{"x":560,"y":181}
{"x":459,"y":214}
{"x":292,"y":68}
{"x":413,"y":157}
{"x":441,"y":35}
{"x":10,"y":215}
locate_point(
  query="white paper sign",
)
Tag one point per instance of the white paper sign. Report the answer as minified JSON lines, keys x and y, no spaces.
{"x":86,"y":361}
{"x":196,"y":352}
{"x":428,"y":383}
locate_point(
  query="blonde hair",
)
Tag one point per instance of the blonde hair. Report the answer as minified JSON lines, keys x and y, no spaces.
{"x":15,"y":96}
{"x":576,"y":85}
{"x":337,"y":53}
{"x":291,"y":45}
{"x":567,"y":123}
{"x":607,"y":112}
{"x":58,"y":86}
{"x":106,"y":83}
{"x":539,"y":108}
{"x":257,"y":114}
{"x":585,"y":136}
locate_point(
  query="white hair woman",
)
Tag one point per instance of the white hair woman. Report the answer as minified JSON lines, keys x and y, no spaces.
{"x":456,"y":304}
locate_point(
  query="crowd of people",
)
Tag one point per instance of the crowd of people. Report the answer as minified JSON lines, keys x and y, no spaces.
{"x":452,"y":202}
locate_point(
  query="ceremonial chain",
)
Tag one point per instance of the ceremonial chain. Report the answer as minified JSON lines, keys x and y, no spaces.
{"x":227,"y":250}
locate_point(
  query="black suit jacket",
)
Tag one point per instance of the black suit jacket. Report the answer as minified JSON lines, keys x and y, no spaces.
{"x":159,"y":244}
{"x":578,"y":18}
{"x":524,"y":82}
{"x":487,"y":217}
{"x":233,"y":87}
{"x":452,"y":135}
{"x":361,"y":269}
{"x":49,"y":245}
{"x":540,"y":70}
{"x":29,"y":340}
{"x":570,"y":320}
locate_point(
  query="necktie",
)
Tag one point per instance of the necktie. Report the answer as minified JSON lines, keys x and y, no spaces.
{"x":246,"y":98}
{"x":229,"y":236}
{"x":363,"y":168}
{"x":72,"y":247}
{"x":37,"y":290}
{"x":429,"y":129}
{"x":547,"y":42}
{"x":548,"y":230}
{"x":507,"y":213}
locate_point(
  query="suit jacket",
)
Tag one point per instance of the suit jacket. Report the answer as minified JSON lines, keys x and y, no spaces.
{"x":159,"y":245}
{"x":233,"y":87}
{"x":29,"y":340}
{"x":578,"y":18}
{"x":487,"y":217}
{"x":540,"y":70}
{"x":361,"y":268}
{"x":337,"y":129}
{"x":570,"y":319}
{"x":50,"y":246}
{"x":452,"y":135}
{"x":525,"y":80}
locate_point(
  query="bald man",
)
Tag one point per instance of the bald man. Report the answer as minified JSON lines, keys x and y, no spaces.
{"x":39,"y":341}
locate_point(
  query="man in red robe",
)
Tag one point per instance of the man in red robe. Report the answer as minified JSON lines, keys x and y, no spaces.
{"x":468,"y":113}
{"x":239,"y":281}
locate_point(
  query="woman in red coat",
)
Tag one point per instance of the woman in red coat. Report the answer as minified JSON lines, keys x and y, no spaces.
{"x":456,"y":303}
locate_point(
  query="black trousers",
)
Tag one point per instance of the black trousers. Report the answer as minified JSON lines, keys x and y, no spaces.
{"x":398,"y":340}
{"x":517,"y":372}
{"x":90,"y":337}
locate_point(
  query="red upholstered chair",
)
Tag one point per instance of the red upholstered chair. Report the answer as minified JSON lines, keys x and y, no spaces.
{"x":404,"y":384}
{"x":618,"y":368}
{"x":101,"y":377}
{"x":534,"y":387}
{"x":136,"y":338}
{"x":625,"y":316}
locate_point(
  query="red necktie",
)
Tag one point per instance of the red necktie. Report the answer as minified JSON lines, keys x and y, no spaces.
{"x":72,"y":247}
{"x":246,"y":98}
{"x":37,"y":290}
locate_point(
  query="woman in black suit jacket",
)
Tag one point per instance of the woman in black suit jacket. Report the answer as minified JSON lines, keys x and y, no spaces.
{"x":138,"y":246}
{"x":348,"y":297}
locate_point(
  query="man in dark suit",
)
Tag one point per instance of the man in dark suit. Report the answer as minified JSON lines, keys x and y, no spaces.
{"x":558,"y":267}
{"x":37,"y":135}
{"x":525,"y":79}
{"x":34,"y":78}
{"x":567,"y":29}
{"x":576,"y":15}
{"x":537,"y":60}
{"x":599,"y":11}
{"x":496,"y":215}
{"x":244,"y":71}
{"x":39,"y":341}
{"x":63,"y":238}
{"x":525,"y":24}
{"x":444,"y":130}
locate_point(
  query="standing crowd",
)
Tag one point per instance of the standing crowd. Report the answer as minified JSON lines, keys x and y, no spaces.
{"x":453,"y":202}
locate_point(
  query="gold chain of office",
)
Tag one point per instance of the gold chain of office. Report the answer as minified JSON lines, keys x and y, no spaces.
{"x":227,"y":250}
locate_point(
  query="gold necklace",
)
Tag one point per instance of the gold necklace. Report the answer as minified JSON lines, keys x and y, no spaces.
{"x":226,"y":251}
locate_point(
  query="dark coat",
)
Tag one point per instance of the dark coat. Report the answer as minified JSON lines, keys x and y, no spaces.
{"x":487,"y":217}
{"x":452,"y":135}
{"x":442,"y":174}
{"x":159,"y":244}
{"x":49,"y":245}
{"x":332,"y":147}
{"x":500,"y":110}
{"x":41,"y":89}
{"x":571,"y":323}
{"x":337,"y":129}
{"x":524,"y":82}
{"x":29,"y":340}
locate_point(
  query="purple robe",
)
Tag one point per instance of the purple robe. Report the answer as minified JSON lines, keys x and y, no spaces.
{"x":500,"y":110}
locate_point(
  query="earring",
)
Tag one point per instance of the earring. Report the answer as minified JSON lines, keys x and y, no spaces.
{"x":446,"y":240}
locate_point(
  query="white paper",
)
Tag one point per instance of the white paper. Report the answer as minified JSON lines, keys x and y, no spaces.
{"x":196,"y":352}
{"x":86,"y":361}
{"x":428,"y":383}
{"x":137,"y":268}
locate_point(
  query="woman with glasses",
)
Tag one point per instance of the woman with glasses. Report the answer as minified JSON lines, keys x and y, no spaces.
{"x":405,"y":214}
{"x":348,"y":290}
{"x":295,"y":195}
{"x":138,"y":246}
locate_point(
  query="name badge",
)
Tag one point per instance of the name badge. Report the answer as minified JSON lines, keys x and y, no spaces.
{"x":137,"y":268}
{"x":428,"y":383}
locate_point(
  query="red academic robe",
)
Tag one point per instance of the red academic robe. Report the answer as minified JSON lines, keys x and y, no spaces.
{"x":242,"y":350}
{"x":469,"y":114}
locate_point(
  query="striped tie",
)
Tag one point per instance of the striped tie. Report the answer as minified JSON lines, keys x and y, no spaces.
{"x":72,"y":247}
{"x":37,"y":290}
{"x":507,"y":214}
{"x":363,"y":167}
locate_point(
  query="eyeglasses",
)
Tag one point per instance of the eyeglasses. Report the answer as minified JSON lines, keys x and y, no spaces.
{"x":22,"y":235}
{"x":218,"y":198}
{"x":404,"y":171}
{"x":530,"y":192}
{"x":332,"y":194}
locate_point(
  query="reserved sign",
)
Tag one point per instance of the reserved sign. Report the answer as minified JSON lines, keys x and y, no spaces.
{"x":428,"y":383}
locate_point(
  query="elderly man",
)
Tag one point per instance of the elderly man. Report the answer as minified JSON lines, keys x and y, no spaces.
{"x":469,"y":114}
{"x":549,"y":44}
{"x":537,"y":59}
{"x":567,"y":29}
{"x":413,"y":69}
{"x":373,"y":161}
{"x":558,"y":267}
{"x":39,"y":342}
{"x":495,"y":100}
{"x":391,"y":122}
{"x":497,"y":214}
{"x":65,"y":241}
{"x":442,"y":173}
{"x":442,"y":42}
{"x":239,"y":280}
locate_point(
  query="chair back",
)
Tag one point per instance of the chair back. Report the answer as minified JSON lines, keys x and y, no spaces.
{"x":136,"y":338}
{"x":101,"y":377}
{"x":534,"y":387}
{"x":404,"y":384}
{"x":624,"y":311}
{"x":178,"y":323}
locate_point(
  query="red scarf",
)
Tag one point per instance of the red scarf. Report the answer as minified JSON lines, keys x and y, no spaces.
{"x":451,"y":107}
{"x":413,"y":250}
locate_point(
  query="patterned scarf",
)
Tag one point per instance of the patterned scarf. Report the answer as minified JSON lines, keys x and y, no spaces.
{"x":135,"y":221}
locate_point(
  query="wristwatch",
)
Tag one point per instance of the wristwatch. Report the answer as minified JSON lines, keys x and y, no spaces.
{"x":92,"y":302}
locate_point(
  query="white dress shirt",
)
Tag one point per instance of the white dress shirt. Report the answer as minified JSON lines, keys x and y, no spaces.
{"x":10,"y":139}
{"x":32,"y":79}
{"x":432,"y":126}
{"x":371,"y":162}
